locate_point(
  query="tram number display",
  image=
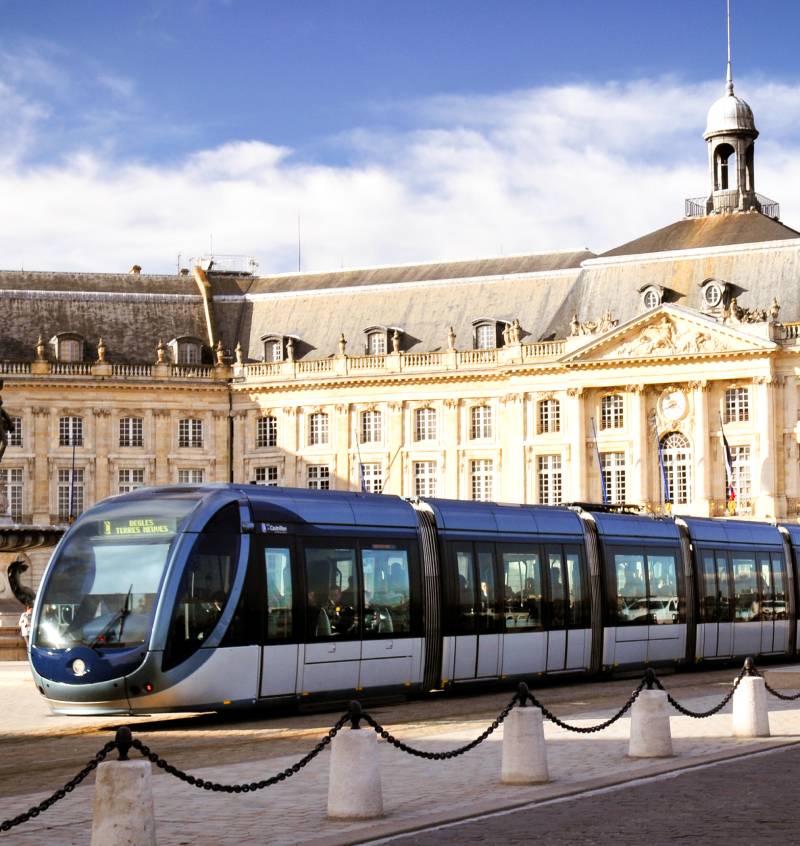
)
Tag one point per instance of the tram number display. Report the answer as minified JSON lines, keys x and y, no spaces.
{"x":137,"y":527}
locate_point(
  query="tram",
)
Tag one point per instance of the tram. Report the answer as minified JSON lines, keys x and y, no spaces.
{"x":221,"y":596}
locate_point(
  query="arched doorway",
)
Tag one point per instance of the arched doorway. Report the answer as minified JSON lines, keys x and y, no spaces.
{"x":676,"y":453}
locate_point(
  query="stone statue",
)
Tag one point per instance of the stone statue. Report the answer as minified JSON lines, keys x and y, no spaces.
{"x":774,"y":310}
{"x":592,"y":327}
{"x":22,"y":593}
{"x":290,"y":348}
{"x":101,"y":351}
{"x":395,"y":342}
{"x":238,"y":353}
{"x":342,"y":344}
{"x":451,"y":339}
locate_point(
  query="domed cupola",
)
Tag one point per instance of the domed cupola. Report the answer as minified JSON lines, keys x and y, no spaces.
{"x":730,"y":134}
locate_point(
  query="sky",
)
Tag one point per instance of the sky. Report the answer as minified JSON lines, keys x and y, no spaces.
{"x":354,"y":133}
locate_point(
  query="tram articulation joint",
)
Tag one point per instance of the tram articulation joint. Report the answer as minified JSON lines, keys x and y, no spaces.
{"x":123,"y":741}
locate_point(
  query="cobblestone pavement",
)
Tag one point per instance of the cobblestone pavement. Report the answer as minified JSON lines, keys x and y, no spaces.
{"x":417,"y":793}
{"x":738,"y":802}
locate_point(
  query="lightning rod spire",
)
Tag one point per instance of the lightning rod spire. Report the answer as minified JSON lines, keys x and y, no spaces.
{"x":729,"y":82}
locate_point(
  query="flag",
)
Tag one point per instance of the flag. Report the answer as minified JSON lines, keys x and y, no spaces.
{"x":730,"y":488}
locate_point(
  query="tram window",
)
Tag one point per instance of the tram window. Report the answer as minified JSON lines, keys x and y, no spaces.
{"x":465,"y":590}
{"x":488,"y":619}
{"x":725,"y":610}
{"x":662,"y":600}
{"x":631,"y":589}
{"x":710,"y":596}
{"x":779,"y":610}
{"x":522,"y":575}
{"x":745,"y":586}
{"x":555,"y":572}
{"x":332,"y":593}
{"x":579,"y":614}
{"x":279,"y":593}
{"x":387,"y":592}
{"x":202,"y":594}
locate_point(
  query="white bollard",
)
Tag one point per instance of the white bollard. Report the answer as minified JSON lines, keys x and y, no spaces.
{"x":524,"y":750}
{"x":354,"y":786}
{"x":123,"y":805}
{"x":750,"y":715}
{"x":650,"y":733}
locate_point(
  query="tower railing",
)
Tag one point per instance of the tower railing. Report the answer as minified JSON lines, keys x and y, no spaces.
{"x":729,"y":201}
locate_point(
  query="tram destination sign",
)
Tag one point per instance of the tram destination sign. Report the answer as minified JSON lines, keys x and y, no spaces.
{"x":137,"y":527}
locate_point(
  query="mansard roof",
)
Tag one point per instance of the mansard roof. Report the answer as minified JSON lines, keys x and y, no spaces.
{"x":712,"y":231}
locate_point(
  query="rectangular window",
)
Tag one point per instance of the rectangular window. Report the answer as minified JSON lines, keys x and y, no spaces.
{"x":190,"y":477}
{"x":424,"y":478}
{"x":612,"y":412}
{"x":549,"y":416}
{"x":319,"y":477}
{"x":279,"y":593}
{"x":318,"y":429}
{"x":130,"y":432}
{"x":376,"y":343}
{"x":273,"y":350}
{"x":11,"y":485}
{"x":578,"y":594}
{"x":387,"y":592}
{"x":267,"y":476}
{"x":15,"y":435}
{"x":480,"y":422}
{"x":614,"y":475}
{"x":485,"y":336}
{"x":740,"y":466}
{"x":424,"y":424}
{"x":523,"y":588}
{"x":371,"y":426}
{"x":70,"y":492}
{"x":737,"y":405}
{"x":332,"y":594}
{"x":130,"y":479}
{"x":631,"y":588}
{"x":372,"y":477}
{"x":549,"y":472}
{"x":70,"y":431}
{"x":481,"y":478}
{"x":190,"y":432}
{"x":745,"y":586}
{"x":266,"y":432}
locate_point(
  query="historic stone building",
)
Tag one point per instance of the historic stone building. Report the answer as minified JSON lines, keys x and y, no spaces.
{"x":548,"y":377}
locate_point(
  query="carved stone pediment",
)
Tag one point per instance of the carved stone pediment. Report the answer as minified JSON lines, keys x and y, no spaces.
{"x":670,"y":332}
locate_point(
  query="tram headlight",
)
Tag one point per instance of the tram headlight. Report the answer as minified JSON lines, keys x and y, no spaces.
{"x":79,"y":667}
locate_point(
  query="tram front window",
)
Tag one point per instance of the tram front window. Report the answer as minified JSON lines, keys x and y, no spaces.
{"x":104,"y":583}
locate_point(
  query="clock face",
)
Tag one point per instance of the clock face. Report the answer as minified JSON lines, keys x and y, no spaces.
{"x":673,"y":404}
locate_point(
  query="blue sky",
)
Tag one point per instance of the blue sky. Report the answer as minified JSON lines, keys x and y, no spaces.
{"x":395,"y":131}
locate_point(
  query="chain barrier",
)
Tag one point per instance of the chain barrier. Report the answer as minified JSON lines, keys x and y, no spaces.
{"x":787,"y":697}
{"x":546,"y":712}
{"x":246,"y":787}
{"x":746,"y":670}
{"x":7,"y":825}
{"x":421,"y":753}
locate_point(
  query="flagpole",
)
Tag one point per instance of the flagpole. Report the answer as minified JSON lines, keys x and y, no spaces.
{"x":730,"y":488}
{"x":599,"y":464}
{"x":71,"y":515}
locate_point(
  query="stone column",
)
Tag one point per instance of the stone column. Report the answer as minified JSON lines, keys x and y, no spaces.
{"x":451,"y":438}
{"x":40,"y":481}
{"x":239,"y":445}
{"x":575,"y":423}
{"x":346,"y":476}
{"x":640,"y":438}
{"x":163,"y":445}
{"x":702,"y":456}
{"x":512,"y":486}
{"x":103,"y":481}
{"x":765,"y":492}
{"x":220,"y":446}
{"x":393,"y":476}
{"x":791,"y":481}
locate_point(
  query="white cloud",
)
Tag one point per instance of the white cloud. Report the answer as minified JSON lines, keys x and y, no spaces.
{"x":549,"y":168}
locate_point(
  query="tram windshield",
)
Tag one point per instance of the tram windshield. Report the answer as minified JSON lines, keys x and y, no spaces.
{"x":102,"y":589}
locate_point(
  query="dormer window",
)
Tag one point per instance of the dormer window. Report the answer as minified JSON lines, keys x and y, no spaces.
{"x":379,"y":340}
{"x":651,"y":297}
{"x":376,"y":343}
{"x":714,"y":293}
{"x":274,"y":346}
{"x":186,"y":350}
{"x":487,"y":334}
{"x":67,"y":346}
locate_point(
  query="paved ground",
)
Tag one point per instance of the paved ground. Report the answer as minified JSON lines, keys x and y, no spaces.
{"x":416,"y":793}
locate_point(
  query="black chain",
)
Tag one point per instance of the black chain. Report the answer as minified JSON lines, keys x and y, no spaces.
{"x":440,"y":756}
{"x":546,"y":712}
{"x":787,"y":697}
{"x":241,"y":788}
{"x":698,"y":715}
{"x":6,"y":825}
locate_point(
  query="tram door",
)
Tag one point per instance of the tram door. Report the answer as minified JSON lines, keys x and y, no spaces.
{"x":279,"y":653}
{"x":772,"y":603}
{"x":567,"y":630}
{"x":717,"y":606}
{"x":478,"y":634}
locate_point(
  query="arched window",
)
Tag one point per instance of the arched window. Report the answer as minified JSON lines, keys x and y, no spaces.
{"x":725,"y":167}
{"x":676,"y":453}
{"x":68,"y":347}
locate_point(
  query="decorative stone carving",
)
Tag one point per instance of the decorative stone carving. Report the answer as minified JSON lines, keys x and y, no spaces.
{"x":342,"y":344}
{"x":161,"y":352}
{"x":451,"y":403}
{"x":592,"y":327}
{"x":515,"y":332}
{"x":101,"y":412}
{"x":40,"y":349}
{"x":101,"y":351}
{"x":341,"y":408}
{"x":395,"y":342}
{"x":574,"y":392}
{"x":734,"y":313}
{"x":662,"y":337}
{"x":774,"y":310}
{"x":394,"y":406}
{"x":238,"y":352}
{"x":290,"y":349}
{"x":219,"y":354}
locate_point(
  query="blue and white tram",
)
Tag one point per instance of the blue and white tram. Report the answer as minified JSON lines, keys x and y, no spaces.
{"x":219,"y":596}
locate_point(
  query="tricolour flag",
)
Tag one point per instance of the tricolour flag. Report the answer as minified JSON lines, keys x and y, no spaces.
{"x":730,"y":488}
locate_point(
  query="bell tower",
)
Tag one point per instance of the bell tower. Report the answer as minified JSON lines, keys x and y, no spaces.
{"x":730,"y":134}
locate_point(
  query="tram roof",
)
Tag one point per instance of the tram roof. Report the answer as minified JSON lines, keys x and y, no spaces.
{"x":466,"y":516}
{"x":635,"y":526}
{"x":794,"y":532}
{"x":732,"y":531}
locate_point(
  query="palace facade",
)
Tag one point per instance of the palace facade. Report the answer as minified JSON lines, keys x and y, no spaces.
{"x":547,"y":378}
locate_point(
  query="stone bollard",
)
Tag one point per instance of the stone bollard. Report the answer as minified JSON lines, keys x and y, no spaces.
{"x":524,"y":750}
{"x":750,"y":715}
{"x":123,"y":800}
{"x":650,"y":732}
{"x":354,"y":786}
